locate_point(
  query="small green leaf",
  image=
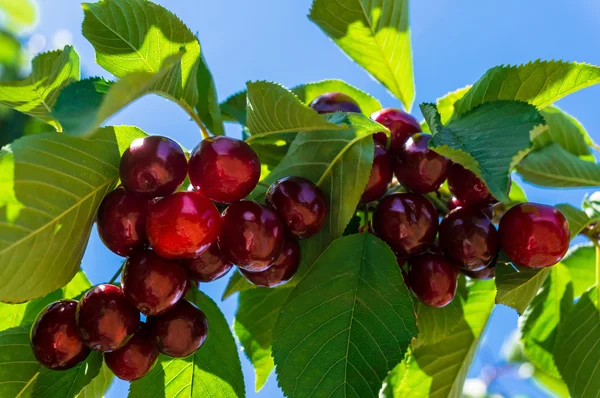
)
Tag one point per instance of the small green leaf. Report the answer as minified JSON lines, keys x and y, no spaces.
{"x":518,"y":289}
{"x":577,"y":219}
{"x":98,"y":387}
{"x":18,"y":366}
{"x":234,"y":108}
{"x":581,"y":263}
{"x":67,"y":384}
{"x":517,"y":193}
{"x":237,"y":283}
{"x":566,"y":131}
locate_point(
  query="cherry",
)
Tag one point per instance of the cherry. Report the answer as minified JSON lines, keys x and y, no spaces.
{"x":55,"y":340}
{"x":380,"y":138}
{"x":454,"y":203}
{"x":105,"y":318}
{"x":468,"y":238}
{"x":488,"y":272}
{"x":153,"y":166}
{"x":209,"y":266}
{"x":402,"y":126}
{"x":301,"y":205}
{"x":251,"y":235}
{"x":418,"y":168}
{"x":136,"y":358}
{"x":224,"y":169}
{"x":381,"y":175}
{"x":182,"y":225}
{"x":467,"y":187}
{"x":282,"y":270}
{"x":152,"y":283}
{"x":432,"y":279}
{"x":334,"y":102}
{"x":407,"y":222}
{"x":181,"y":331}
{"x":534,"y":235}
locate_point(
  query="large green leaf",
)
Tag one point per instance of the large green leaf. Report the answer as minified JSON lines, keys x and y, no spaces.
{"x":99,"y":385}
{"x":67,"y":384}
{"x":375,"y":34}
{"x":581,"y":261}
{"x":577,"y":219}
{"x":346,"y":324}
{"x":18,"y":366}
{"x":566,"y":131}
{"x":50,"y":188}
{"x":237,"y":283}
{"x":517,"y":289}
{"x":21,"y":13}
{"x":233,"y":109}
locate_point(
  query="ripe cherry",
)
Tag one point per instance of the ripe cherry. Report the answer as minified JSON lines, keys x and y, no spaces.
{"x":182,"y":225}
{"x":402,"y":126}
{"x":407,"y":222}
{"x":468,"y":238}
{"x":151,"y":283}
{"x":282,"y":270}
{"x":534,"y":235}
{"x":432,"y":279}
{"x":153,"y":166}
{"x":381,"y":175}
{"x":224,"y":169}
{"x":418,"y":168}
{"x":301,"y":205}
{"x":467,"y":187}
{"x":454,"y":203}
{"x":334,"y":102}
{"x":208,"y":266}
{"x":136,"y":358}
{"x":251,"y":235}
{"x":181,"y":331}
{"x":105,"y":318}
{"x":488,"y":272}
{"x":55,"y":340}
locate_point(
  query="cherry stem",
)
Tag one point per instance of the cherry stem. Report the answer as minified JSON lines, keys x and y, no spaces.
{"x":116,"y":275}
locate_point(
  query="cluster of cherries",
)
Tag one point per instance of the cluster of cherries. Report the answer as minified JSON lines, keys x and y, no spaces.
{"x":173,"y":239}
{"x":531,"y":235}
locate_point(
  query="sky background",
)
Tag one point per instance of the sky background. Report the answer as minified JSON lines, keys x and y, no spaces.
{"x":454,"y":43}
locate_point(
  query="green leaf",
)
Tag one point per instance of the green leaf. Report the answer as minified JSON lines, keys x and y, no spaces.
{"x":10,"y":49}
{"x":22,"y":13}
{"x":581,"y":262}
{"x":345,"y":326}
{"x":99,"y":385}
{"x":207,"y":105}
{"x":213,"y":371}
{"x":67,"y":384}
{"x":233,"y":108}
{"x":36,"y":94}
{"x":445,"y":105}
{"x":517,"y":193}
{"x":551,"y":384}
{"x":376,"y":35}
{"x":578,"y":219}
{"x":566,"y":131}
{"x":18,"y":366}
{"x":518,"y":289}
{"x":237,"y":283}
{"x":254,"y":322}
{"x":50,"y":188}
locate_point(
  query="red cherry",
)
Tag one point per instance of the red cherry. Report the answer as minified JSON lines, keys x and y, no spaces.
{"x":381,"y":175}
{"x":407,"y":222}
{"x":136,"y":358}
{"x":153,"y":166}
{"x":488,"y":272}
{"x":181,"y":331}
{"x":55,"y":340}
{"x":105,"y":318}
{"x":467,"y":187}
{"x":209,"y":266}
{"x":432,"y":279}
{"x":534,"y":235}
{"x":301,"y":205}
{"x":334,"y":102}
{"x":402,"y":126}
{"x":282,"y":270}
{"x":454,"y":203}
{"x":418,"y":168}
{"x":380,"y":138}
{"x":224,"y":169}
{"x":182,"y":225}
{"x":251,"y":235}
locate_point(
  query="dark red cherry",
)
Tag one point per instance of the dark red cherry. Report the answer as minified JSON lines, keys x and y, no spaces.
{"x":381,"y":139}
{"x":153,"y":166}
{"x":468,"y":238}
{"x":54,"y":338}
{"x":407,"y":222}
{"x":181,"y":331}
{"x":381,"y":175}
{"x":402,"y":126}
{"x":534,"y":235}
{"x":454,"y":203}
{"x":105,"y":318}
{"x":488,"y":272}
{"x":467,"y":187}
{"x":334,"y":102}
{"x":418,"y":168}
{"x":182,"y":225}
{"x":251,"y":235}
{"x":136,"y":358}
{"x":301,"y":205}
{"x":282,"y":270}
{"x":151,"y":283}
{"x":209,"y":266}
{"x":432,"y":279}
{"x":224,"y":169}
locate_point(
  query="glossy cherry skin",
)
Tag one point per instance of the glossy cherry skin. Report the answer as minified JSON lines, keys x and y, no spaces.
{"x":105,"y":318}
{"x":181,"y":331}
{"x":467,"y":187}
{"x":488,"y":272}
{"x":418,"y":168}
{"x":301,"y":205}
{"x":402,"y":126}
{"x":224,"y":169}
{"x":534,"y":235}
{"x":252,"y":235}
{"x":136,"y":358}
{"x":208,"y":266}
{"x":454,"y":203}
{"x":380,"y":177}
{"x":468,"y":238}
{"x":153,"y":166}
{"x":432,"y":279}
{"x":151,"y":283}
{"x":54,"y":338}
{"x":182,"y":225}
{"x":334,"y":102}
{"x":282,"y":270}
{"x":407,"y":222}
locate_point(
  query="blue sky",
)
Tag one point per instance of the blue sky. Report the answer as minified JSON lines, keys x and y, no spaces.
{"x":454,"y":43}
